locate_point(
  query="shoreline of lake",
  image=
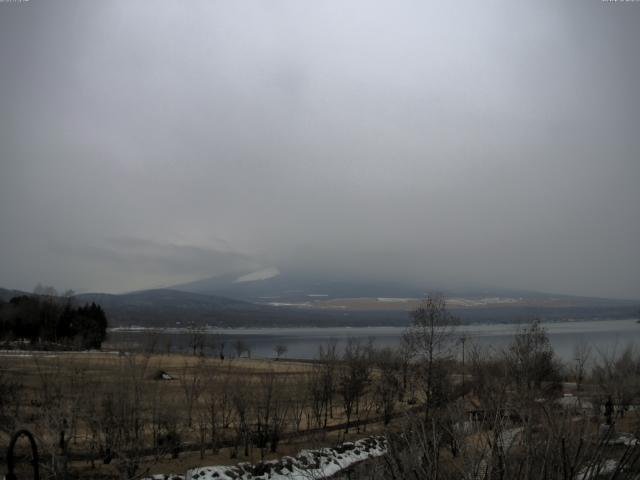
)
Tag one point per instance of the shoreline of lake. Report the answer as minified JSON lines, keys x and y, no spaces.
{"x":303,"y":342}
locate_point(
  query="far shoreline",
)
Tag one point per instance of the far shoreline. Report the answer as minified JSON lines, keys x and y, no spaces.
{"x":207,"y":329}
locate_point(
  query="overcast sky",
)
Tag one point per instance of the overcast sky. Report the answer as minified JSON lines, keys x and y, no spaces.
{"x":146,"y":143}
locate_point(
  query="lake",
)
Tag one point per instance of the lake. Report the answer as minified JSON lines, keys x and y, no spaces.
{"x":605,"y":336}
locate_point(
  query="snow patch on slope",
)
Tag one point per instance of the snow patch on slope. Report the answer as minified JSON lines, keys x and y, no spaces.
{"x":264,"y":274}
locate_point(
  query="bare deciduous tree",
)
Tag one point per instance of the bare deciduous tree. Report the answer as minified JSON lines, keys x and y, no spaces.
{"x":280,"y":350}
{"x":240,"y":395}
{"x":196,"y":339}
{"x":240,"y":347}
{"x":299,"y":400}
{"x":430,"y":337}
{"x":353,"y":377}
{"x":11,"y":398}
{"x":191,"y":382}
{"x":387,"y":383}
{"x":581,"y":356}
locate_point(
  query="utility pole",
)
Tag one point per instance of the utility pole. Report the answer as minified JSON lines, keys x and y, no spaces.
{"x":463,"y":339}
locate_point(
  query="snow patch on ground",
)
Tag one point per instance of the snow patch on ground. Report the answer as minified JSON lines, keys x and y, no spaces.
{"x":508,"y":437}
{"x":480,"y":302}
{"x":574,"y":403}
{"x":394,"y":300}
{"x":621,"y":438}
{"x":286,"y":304}
{"x":308,"y":464}
{"x":608,"y":466}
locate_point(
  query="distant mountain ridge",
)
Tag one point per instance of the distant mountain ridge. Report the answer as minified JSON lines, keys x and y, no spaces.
{"x":163,"y":298}
{"x":283,"y":303}
{"x":296,"y":287}
{"x":6,"y":294}
{"x":299,"y":287}
{"x":170,"y":307}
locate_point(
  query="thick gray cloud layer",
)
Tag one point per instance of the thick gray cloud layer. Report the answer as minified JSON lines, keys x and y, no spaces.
{"x":145,"y":143}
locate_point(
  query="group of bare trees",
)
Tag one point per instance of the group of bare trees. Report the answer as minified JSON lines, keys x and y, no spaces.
{"x":508,"y":420}
{"x":127,"y":414}
{"x":494,"y":416}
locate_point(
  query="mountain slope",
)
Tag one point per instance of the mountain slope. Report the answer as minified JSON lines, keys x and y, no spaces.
{"x":297,"y":287}
{"x":6,"y":295}
{"x":169,"y":307}
{"x":315,"y":290}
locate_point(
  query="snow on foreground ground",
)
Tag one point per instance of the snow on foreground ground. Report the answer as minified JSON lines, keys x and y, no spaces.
{"x":308,"y":464}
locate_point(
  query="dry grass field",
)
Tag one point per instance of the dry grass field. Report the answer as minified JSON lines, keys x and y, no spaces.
{"x":168,"y":413}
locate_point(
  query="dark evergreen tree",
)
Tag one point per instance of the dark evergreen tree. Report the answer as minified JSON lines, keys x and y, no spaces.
{"x":91,"y":325}
{"x":44,"y":319}
{"x":26,"y":318}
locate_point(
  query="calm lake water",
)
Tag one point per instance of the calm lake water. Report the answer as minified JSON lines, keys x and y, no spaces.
{"x":605,"y":336}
